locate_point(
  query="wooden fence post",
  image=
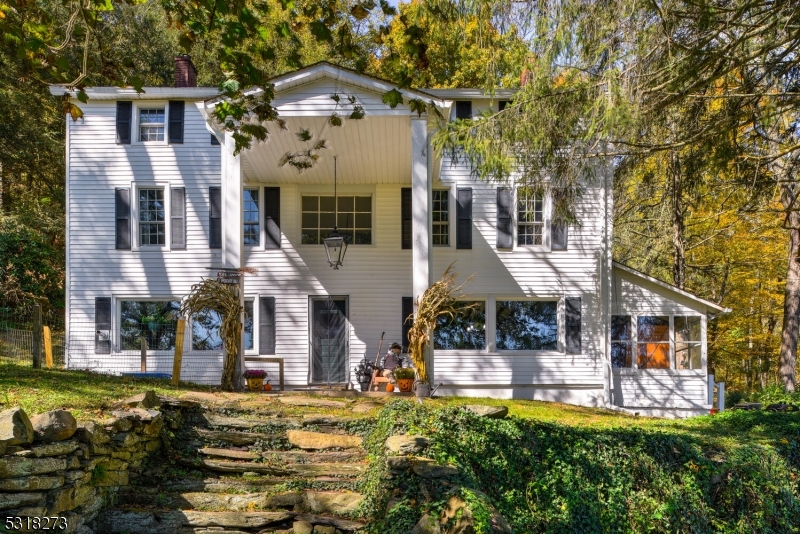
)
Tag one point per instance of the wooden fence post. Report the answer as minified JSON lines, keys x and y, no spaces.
{"x":48,"y":347}
{"x":176,"y":361}
{"x":144,"y":354}
{"x":36,"y":347}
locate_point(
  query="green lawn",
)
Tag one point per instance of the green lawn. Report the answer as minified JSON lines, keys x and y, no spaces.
{"x":84,"y":393}
{"x":88,"y":394}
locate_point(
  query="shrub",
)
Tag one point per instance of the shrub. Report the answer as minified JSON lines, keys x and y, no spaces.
{"x":735,"y":472}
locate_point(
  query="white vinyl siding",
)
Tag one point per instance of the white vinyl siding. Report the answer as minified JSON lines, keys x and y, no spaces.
{"x":97,"y":166}
{"x":676,"y":386}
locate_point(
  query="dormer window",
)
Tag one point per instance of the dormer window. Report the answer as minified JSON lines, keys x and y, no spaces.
{"x":151,"y":124}
{"x":464,"y":109}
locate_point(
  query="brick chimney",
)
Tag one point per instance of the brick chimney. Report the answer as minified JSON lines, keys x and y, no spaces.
{"x":185,"y":72}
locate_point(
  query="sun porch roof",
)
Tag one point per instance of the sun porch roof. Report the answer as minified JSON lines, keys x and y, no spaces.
{"x":711,"y":307}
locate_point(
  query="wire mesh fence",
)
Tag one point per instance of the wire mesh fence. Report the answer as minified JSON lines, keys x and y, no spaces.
{"x":142,"y":343}
{"x":26,"y":334}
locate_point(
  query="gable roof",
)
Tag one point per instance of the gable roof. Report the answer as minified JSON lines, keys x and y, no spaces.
{"x":669,"y":287}
{"x":324,"y":69}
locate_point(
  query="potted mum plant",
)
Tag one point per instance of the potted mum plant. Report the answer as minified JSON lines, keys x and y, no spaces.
{"x":364,"y":373}
{"x":255,"y":379}
{"x":405,"y":378}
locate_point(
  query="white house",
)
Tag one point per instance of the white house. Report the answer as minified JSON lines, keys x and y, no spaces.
{"x":157,"y":200}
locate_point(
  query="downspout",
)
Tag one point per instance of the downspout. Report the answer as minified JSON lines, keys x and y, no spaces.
{"x":606,"y":280}
{"x":429,"y":162}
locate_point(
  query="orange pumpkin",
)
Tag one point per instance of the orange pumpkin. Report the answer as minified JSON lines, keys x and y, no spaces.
{"x":267,"y":386}
{"x":389,"y":387}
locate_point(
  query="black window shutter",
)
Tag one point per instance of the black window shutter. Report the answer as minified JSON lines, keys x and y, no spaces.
{"x":558,"y":238}
{"x":572,"y":330}
{"x":177,"y":201}
{"x":176,"y":108}
{"x":102,"y":325}
{"x":122,"y":208}
{"x":464,"y":109}
{"x":266,"y":325}
{"x":405,"y":218}
{"x":124,"y":111}
{"x":464,"y":219}
{"x":214,"y":140}
{"x":215,"y":217}
{"x":272,"y":217}
{"x":408,"y":309}
{"x":505,"y":230}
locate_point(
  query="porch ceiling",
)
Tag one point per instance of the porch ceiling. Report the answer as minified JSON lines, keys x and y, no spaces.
{"x":371,"y":150}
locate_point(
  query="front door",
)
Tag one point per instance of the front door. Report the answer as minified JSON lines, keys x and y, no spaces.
{"x":329,"y":340}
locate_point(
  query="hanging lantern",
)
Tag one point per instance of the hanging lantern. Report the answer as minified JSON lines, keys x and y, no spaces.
{"x":335,"y":245}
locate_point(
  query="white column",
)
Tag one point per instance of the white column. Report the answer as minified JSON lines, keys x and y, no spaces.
{"x":422,"y":262}
{"x":232,"y":193}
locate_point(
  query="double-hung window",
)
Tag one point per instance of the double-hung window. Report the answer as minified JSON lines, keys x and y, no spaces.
{"x":688,"y":342}
{"x":621,"y":341}
{"x":252,"y":228}
{"x":530,"y":217}
{"x":440,"y":214}
{"x":352,"y":218}
{"x":152,"y":122}
{"x":152,"y":216}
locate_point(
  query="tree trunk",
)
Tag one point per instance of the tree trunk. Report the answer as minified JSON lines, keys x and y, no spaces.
{"x":791,"y":306}
{"x":678,"y":244}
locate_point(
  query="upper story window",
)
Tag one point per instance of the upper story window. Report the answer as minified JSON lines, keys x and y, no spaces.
{"x":152,"y":217}
{"x":320,"y":216}
{"x":252,"y":229}
{"x":530,"y":217}
{"x":151,"y":124}
{"x":527,"y":325}
{"x":464,"y":109}
{"x":441,"y":218}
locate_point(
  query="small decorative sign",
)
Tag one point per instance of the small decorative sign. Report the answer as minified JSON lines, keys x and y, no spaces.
{"x":228,"y":277}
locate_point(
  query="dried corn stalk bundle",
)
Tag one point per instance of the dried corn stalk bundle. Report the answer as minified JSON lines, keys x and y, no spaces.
{"x":223,"y":299}
{"x":438,"y":300}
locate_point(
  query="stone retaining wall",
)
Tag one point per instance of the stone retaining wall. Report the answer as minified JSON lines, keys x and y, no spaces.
{"x":52,"y":466}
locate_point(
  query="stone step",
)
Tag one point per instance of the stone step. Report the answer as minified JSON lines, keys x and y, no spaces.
{"x":115,"y":521}
{"x":326,"y":502}
{"x":303,"y":439}
{"x":312,"y":401}
{"x":293,"y":456}
{"x":309,"y":470}
{"x":330,"y":425}
{"x":210,"y":485}
{"x":235,"y":438}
